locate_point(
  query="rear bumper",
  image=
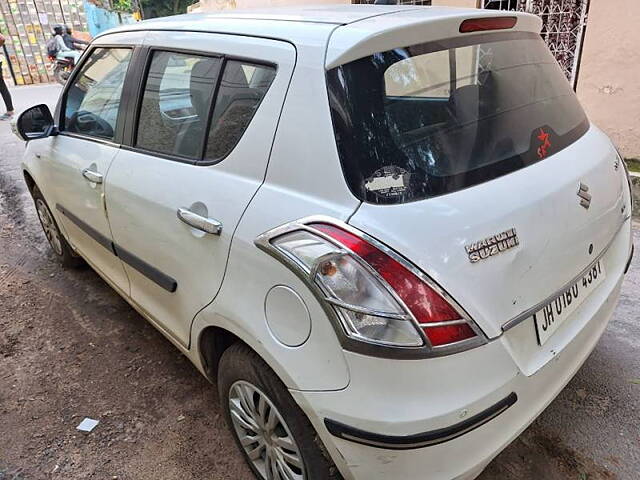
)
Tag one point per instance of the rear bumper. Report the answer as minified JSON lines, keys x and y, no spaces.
{"x":419,"y":440}
{"x":447,"y":418}
{"x":461,"y":457}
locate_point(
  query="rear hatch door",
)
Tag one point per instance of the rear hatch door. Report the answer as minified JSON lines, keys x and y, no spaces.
{"x":557,"y":236}
{"x":475,"y":160}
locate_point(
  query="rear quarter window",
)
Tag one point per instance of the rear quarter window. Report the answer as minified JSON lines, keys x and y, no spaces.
{"x":434,"y":118}
{"x":198,"y":107}
{"x":176,"y":102}
{"x":241,"y":90}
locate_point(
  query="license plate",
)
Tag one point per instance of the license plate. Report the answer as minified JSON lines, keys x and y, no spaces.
{"x":549,"y":318}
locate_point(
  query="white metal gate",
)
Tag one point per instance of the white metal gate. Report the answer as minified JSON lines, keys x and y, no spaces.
{"x":564,"y":23}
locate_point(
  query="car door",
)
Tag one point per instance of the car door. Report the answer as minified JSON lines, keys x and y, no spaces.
{"x":198,"y":153}
{"x":79,"y":157}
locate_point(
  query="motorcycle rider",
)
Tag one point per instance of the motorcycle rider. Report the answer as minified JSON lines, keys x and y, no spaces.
{"x":63,"y":51}
{"x":71,"y":41}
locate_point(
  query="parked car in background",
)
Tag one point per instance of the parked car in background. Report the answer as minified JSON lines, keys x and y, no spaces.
{"x":389,"y":235}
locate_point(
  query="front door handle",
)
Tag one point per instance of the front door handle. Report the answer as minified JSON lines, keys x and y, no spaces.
{"x":92,"y":176}
{"x":204,"y":224}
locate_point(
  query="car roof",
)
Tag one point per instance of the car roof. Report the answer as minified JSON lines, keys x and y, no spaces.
{"x":331,"y":14}
{"x":301,"y":23}
{"x":334,"y":14}
{"x":358,"y":28}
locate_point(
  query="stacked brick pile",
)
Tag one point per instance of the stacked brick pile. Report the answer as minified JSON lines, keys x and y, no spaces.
{"x":27,"y":25}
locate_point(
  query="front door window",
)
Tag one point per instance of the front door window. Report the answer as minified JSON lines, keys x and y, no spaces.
{"x":93,"y":101}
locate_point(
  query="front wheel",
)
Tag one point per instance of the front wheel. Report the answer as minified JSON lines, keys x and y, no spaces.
{"x":61,"y":74}
{"x":276,"y":438}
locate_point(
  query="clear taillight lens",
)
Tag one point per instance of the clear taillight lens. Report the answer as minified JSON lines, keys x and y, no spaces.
{"x":377,"y":298}
{"x":367,"y":309}
{"x":441,"y":323}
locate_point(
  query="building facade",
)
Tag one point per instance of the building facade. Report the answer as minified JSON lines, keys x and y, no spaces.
{"x":27,"y":25}
{"x":596,"y":42}
{"x":609,"y":77}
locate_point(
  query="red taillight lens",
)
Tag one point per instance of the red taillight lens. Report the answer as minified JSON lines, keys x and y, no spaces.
{"x":485,"y":24}
{"x":426,"y":305}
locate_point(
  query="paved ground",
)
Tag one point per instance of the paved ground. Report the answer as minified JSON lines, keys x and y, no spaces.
{"x":70,"y":348}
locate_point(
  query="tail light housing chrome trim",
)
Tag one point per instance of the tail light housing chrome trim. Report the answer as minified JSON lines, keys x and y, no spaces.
{"x":332,"y":305}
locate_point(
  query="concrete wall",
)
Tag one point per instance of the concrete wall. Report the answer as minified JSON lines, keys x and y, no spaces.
{"x":99,"y":19}
{"x":609,"y":81}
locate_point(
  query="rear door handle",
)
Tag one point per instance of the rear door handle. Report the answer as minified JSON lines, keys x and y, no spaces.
{"x":204,"y":224}
{"x":92,"y":176}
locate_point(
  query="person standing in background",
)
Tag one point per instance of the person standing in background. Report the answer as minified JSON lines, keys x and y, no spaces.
{"x":4,"y":90}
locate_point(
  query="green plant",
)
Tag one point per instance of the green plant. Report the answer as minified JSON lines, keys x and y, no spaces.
{"x":163,"y":8}
{"x":122,"y":5}
{"x":633,"y":164}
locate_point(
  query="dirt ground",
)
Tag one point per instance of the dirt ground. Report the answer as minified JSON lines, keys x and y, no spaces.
{"x":71,"y":348}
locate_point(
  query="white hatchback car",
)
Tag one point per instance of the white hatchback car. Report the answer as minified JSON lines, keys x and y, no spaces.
{"x":389,"y":234}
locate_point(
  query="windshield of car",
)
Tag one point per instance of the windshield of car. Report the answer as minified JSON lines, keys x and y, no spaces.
{"x":434,"y":118}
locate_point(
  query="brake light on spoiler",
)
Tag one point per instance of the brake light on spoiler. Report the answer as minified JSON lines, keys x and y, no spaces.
{"x":487,"y":24}
{"x":377,"y":296}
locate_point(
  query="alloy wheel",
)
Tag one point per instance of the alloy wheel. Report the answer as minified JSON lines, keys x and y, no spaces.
{"x":49,"y":226}
{"x":263,"y":434}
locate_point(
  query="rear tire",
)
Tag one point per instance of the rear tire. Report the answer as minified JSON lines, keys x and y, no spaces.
{"x":57,"y":242}
{"x":270,"y":429}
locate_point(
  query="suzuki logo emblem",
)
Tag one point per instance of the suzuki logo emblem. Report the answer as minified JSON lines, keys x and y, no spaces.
{"x":585,"y":196}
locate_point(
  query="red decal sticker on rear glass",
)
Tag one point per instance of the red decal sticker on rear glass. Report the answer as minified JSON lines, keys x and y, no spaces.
{"x":546,"y":143}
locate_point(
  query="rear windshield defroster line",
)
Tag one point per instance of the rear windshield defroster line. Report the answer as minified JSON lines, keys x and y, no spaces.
{"x":435,"y":118}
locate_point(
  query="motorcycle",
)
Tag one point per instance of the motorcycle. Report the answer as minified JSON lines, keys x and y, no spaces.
{"x":62,"y":68}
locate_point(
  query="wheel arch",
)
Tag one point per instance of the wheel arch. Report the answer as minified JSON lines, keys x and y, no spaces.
{"x":28,"y":179}
{"x":214,"y":340}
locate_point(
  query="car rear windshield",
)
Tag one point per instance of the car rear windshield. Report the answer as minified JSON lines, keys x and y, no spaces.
{"x":430,"y":119}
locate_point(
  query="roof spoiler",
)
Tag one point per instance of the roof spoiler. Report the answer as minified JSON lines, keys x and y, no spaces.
{"x":411,"y":27}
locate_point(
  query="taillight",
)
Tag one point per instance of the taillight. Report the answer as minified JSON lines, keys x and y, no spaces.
{"x":378,"y":297}
{"x":486,"y":24}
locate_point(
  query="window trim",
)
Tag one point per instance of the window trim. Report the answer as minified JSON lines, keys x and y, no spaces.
{"x":203,"y":160}
{"x":124,"y":99}
{"x":146,"y":66}
{"x":143,"y":65}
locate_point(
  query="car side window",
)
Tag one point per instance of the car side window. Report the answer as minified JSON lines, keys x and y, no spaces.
{"x":176,"y":103}
{"x":242,"y":88}
{"x":93,"y":100}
